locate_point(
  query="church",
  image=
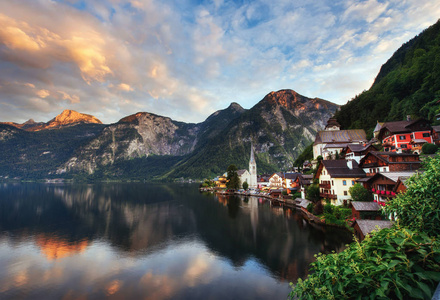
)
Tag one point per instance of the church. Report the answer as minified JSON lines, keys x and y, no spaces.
{"x":250,"y":176}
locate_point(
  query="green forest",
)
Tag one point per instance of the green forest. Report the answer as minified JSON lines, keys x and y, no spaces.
{"x":407,"y":84}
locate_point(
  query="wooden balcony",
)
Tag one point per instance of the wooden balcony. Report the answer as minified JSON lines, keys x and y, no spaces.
{"x":328,"y":196}
{"x":325,"y":186}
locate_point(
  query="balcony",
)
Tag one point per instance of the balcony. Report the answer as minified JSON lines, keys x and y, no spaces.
{"x":325,"y":186}
{"x":328,"y":196}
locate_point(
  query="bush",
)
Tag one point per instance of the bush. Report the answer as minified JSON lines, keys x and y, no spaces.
{"x":310,"y":207}
{"x":391,"y":264}
{"x":429,"y":148}
{"x":419,"y":207}
{"x":328,"y":208}
{"x":359,"y":193}
{"x":318,"y":209}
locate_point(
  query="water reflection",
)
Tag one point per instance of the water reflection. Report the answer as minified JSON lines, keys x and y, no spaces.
{"x":150,"y":241}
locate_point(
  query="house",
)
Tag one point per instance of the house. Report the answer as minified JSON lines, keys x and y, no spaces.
{"x":220,"y":182}
{"x":302,"y":182}
{"x":366,"y":210}
{"x":401,"y":185}
{"x":383,"y":184}
{"x":332,"y":140}
{"x":357,"y":151}
{"x":436,"y":134}
{"x":364,"y":227}
{"x":336,"y":177}
{"x":276,"y":181}
{"x":397,"y":136}
{"x":290,"y":181}
{"x":263,"y":180}
{"x":375,"y":162}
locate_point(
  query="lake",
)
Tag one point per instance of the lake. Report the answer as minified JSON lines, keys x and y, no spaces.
{"x":151,"y":241}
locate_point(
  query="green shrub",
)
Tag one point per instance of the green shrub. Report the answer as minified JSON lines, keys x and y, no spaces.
{"x":328,"y":208}
{"x":391,"y":264}
{"x":429,"y":148}
{"x":310,"y":207}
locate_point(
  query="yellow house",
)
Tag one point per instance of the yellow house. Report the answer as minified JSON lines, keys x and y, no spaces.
{"x":336,"y":177}
{"x":221,"y":182}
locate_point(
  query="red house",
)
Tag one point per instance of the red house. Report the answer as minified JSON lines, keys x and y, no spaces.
{"x":397,"y":136}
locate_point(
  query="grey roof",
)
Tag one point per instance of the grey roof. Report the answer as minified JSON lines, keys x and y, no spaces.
{"x":241,"y":172}
{"x":340,"y":169}
{"x":365,"y":206}
{"x":332,"y":145}
{"x":419,"y":141}
{"x":340,"y":136}
{"x":367,"y":226}
{"x":393,"y":176}
{"x":304,"y":203}
{"x":436,"y":128}
{"x":292,"y":176}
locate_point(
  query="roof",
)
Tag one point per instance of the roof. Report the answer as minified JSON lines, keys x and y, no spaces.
{"x":304,"y":203}
{"x":419,"y":141}
{"x":384,"y":156}
{"x":393,"y":176}
{"x":367,"y":226}
{"x":241,"y":172}
{"x":358,"y":147}
{"x":340,"y":136}
{"x":399,"y":126}
{"x":339,"y":168}
{"x":332,"y":145}
{"x":292,"y":176}
{"x":436,"y":128}
{"x":378,"y":126}
{"x":365,"y":206}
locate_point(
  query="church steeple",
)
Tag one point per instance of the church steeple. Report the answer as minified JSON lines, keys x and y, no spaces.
{"x":252,"y":169}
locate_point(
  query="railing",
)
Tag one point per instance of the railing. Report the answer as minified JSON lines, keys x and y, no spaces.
{"x":328,"y":196}
{"x":325,"y":186}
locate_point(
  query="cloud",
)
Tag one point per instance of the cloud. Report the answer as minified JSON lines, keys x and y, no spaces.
{"x":114,"y":58}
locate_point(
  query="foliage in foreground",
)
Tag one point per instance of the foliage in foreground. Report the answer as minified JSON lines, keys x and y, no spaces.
{"x":392,"y":263}
{"x":419,"y":208}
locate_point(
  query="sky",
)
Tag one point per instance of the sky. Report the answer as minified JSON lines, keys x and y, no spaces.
{"x":186,"y":59}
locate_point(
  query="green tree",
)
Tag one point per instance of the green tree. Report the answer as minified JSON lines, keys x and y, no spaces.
{"x":233,"y":181}
{"x":312,"y":193}
{"x":429,"y":148}
{"x":359,"y":193}
{"x":419,"y":207}
{"x":245,"y":185}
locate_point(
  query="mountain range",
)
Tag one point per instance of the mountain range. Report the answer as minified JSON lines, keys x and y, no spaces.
{"x":149,"y":146}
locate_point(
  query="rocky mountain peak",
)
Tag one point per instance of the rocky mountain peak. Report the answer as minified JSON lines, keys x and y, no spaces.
{"x":71,"y":117}
{"x":236,"y":107}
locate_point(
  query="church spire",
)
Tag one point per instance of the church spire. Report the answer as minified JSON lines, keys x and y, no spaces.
{"x":252,"y":160}
{"x":252,"y":169}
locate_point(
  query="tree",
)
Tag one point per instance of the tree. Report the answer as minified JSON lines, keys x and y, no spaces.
{"x":419,"y":207}
{"x":429,"y":148}
{"x":359,"y":193}
{"x":245,"y":185}
{"x":233,"y":181}
{"x":312,"y":193}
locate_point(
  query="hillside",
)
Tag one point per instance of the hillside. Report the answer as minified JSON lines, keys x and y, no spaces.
{"x":407,"y":84}
{"x":280,"y":126}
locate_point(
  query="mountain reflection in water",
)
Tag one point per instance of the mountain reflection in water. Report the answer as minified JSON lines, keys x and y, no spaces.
{"x":150,"y":241}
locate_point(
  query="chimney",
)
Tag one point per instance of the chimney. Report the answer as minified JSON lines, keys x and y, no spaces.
{"x":408,"y":118}
{"x":350,"y":164}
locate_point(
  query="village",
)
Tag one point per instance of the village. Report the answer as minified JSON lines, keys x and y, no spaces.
{"x":350,"y":179}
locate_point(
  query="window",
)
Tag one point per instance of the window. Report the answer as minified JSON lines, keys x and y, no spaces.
{"x":332,"y":183}
{"x":352,"y":182}
{"x":344,"y":182}
{"x":426,"y":134}
{"x":403,"y":146}
{"x":345,"y":193}
{"x":402,"y":137}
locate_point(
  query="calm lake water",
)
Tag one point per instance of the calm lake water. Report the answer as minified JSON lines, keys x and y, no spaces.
{"x":150,"y":241}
